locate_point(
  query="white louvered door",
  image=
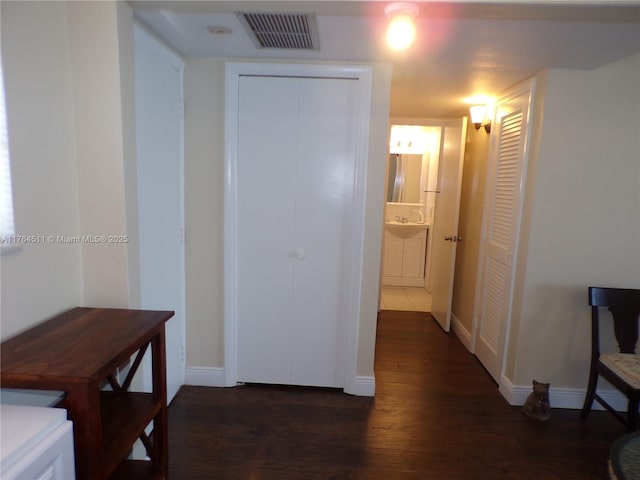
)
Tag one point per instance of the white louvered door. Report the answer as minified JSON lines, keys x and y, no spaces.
{"x":505,"y":179}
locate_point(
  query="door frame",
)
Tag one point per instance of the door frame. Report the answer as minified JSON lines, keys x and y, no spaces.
{"x":443,"y":124}
{"x":354,"y":248}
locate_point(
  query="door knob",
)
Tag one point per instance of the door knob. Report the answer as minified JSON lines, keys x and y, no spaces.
{"x":300,"y":254}
{"x":457,"y":239}
{"x":447,"y":238}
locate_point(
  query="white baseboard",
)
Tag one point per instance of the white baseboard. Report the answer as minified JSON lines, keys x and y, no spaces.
{"x":572,"y":398}
{"x":462,"y":333}
{"x":516,"y":395}
{"x":204,"y":376}
{"x":214,"y":377}
{"x":364,"y":387}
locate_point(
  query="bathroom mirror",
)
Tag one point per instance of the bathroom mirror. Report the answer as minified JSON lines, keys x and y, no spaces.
{"x":405,"y":175}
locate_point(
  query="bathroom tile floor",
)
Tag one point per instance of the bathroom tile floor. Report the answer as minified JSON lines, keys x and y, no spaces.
{"x":412,"y":299}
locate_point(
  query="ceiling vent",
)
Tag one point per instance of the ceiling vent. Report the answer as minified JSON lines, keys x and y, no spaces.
{"x":297,"y":31}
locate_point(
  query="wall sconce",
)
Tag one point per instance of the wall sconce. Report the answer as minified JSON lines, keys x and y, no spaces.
{"x":401,"y":31}
{"x":479,"y":117}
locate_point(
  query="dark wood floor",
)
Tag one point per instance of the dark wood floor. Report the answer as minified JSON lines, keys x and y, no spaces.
{"x":436,"y":415}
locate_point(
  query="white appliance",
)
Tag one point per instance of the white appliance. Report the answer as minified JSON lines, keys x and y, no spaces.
{"x":36,"y":443}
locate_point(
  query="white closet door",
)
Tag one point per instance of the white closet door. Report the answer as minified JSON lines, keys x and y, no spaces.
{"x":502,"y":222}
{"x":296,"y":167}
{"x":267,"y":152}
{"x":324,"y":200}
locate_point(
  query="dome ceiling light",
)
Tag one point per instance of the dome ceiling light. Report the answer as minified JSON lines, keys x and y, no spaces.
{"x":401,"y":31}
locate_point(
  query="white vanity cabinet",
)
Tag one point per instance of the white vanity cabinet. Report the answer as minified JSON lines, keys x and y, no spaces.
{"x":404,"y":255}
{"x":36,"y":443}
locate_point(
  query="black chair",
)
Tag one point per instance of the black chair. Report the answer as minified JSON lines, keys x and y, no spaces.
{"x":621,"y":369}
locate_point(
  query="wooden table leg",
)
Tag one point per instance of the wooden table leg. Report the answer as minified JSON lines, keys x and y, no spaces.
{"x":160,"y":430}
{"x":83,"y":407}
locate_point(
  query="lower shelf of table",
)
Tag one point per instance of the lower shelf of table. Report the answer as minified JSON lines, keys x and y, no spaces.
{"x":125,"y":415}
{"x":138,"y":469}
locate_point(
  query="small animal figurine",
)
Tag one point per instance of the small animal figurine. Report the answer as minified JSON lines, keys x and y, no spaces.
{"x":537,"y":405}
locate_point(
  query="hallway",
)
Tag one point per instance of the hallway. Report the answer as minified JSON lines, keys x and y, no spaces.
{"x":436,"y":415}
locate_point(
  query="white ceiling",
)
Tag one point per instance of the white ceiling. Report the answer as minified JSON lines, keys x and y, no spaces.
{"x":463,"y":49}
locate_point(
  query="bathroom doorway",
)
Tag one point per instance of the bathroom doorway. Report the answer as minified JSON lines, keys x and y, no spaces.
{"x":420,"y":236}
{"x":410,"y":205}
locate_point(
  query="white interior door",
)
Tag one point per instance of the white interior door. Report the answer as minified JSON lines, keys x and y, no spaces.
{"x":158,"y":93}
{"x":325,"y":185}
{"x":267,"y":152}
{"x":505,"y":180}
{"x":445,"y":232}
{"x":296,"y":171}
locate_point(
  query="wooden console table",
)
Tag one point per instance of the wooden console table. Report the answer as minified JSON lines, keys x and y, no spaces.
{"x":79,"y":352}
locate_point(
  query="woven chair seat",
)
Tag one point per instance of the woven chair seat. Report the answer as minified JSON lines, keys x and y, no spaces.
{"x":625,"y":365}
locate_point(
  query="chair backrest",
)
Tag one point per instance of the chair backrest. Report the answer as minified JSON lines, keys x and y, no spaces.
{"x":624,"y":305}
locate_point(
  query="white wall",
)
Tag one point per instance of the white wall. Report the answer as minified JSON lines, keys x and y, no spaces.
{"x":126,"y":51}
{"x":44,"y":279}
{"x":582,"y":217}
{"x":204,"y":194}
{"x":101,"y":38}
{"x":204,"y":178}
